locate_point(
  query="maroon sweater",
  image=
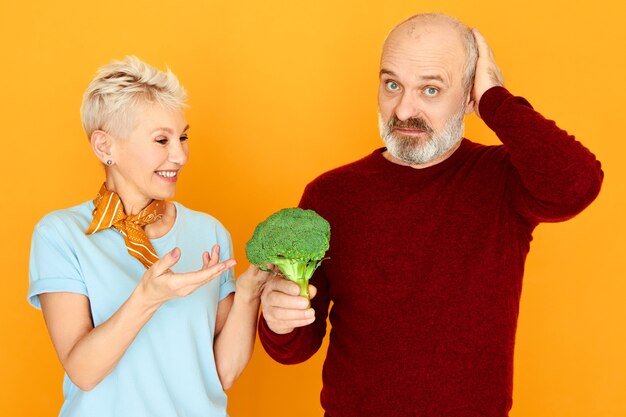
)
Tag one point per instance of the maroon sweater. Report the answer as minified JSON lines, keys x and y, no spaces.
{"x":426,"y":266}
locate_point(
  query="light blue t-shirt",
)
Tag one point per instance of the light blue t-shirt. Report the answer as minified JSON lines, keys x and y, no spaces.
{"x":169,"y":369}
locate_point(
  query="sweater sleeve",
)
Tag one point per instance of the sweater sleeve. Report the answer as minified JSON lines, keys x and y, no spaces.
{"x":556,"y":176}
{"x":302,"y":342}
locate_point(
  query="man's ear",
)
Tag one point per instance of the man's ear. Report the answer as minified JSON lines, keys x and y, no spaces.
{"x":470,"y":104}
{"x":101,"y":144}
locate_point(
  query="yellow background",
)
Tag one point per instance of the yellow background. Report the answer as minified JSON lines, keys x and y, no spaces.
{"x":281,"y":91}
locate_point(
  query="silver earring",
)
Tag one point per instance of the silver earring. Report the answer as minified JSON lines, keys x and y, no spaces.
{"x":109,"y":162}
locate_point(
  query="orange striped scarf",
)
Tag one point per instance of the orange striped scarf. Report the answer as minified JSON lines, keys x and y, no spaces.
{"x":109,"y":212}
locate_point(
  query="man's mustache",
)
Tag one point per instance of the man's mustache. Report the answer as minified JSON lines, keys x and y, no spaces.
{"x":412,"y":123}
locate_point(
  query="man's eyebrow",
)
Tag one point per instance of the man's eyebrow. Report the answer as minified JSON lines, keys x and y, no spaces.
{"x":432,"y":78}
{"x":386,"y":72}
{"x":428,"y":77}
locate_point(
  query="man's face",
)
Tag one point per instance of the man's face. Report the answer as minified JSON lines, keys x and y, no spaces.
{"x":421,"y":98}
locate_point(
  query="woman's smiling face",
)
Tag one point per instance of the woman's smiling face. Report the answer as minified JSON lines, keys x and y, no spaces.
{"x":149,"y":158}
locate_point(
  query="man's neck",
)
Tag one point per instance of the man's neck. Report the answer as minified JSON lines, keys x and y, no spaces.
{"x":430,"y":163}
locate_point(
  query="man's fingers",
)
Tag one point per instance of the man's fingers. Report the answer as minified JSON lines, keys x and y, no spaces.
{"x":279,"y":299}
{"x":287,"y":315}
{"x":282,"y":321}
{"x":283,"y":308}
{"x":484,"y":50}
{"x":280,"y":284}
{"x":481,"y":42}
{"x":284,"y":328}
{"x":488,"y":73}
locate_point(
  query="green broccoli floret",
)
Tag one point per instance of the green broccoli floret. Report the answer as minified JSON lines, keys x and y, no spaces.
{"x":293,"y":239}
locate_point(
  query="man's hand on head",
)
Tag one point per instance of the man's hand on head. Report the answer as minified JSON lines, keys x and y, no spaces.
{"x":488,"y":73}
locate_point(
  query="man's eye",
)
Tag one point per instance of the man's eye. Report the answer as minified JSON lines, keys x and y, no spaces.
{"x":183,"y":138}
{"x":162,"y":141}
{"x":431,"y":91}
{"x":392,"y":86}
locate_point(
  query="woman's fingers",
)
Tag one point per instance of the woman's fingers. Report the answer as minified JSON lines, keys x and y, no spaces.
{"x":166,"y":262}
{"x":192,"y":280}
{"x":211,"y":259}
{"x":215,"y":255}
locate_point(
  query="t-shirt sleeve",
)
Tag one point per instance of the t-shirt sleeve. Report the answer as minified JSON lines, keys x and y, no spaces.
{"x":53,"y":264}
{"x":227,"y":279}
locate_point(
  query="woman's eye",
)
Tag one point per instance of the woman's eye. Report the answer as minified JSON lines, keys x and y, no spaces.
{"x":183,"y":138}
{"x":392,"y":86}
{"x":162,"y":141}
{"x":431,"y":91}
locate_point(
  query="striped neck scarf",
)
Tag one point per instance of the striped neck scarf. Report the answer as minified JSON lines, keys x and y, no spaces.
{"x":109,"y":212}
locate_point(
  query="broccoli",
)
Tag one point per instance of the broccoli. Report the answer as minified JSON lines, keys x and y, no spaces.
{"x":293,"y":239}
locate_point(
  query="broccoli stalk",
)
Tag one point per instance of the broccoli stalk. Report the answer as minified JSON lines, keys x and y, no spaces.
{"x":294,"y":240}
{"x":297,"y":271}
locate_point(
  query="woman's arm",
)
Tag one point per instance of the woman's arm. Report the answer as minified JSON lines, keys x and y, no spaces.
{"x":89,"y":354}
{"x":235,"y":327}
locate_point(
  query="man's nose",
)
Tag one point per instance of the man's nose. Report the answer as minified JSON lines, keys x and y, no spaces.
{"x":408,"y":106}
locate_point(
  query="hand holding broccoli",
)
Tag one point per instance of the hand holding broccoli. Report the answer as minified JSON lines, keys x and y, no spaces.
{"x":294,"y":240}
{"x":283,"y":309}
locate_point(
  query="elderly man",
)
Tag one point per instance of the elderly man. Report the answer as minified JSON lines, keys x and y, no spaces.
{"x":429,"y":237}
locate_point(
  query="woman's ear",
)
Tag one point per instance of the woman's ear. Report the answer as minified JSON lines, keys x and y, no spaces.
{"x":101,"y":144}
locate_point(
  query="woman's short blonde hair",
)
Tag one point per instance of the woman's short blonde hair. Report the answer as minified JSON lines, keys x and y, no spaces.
{"x":119,"y":87}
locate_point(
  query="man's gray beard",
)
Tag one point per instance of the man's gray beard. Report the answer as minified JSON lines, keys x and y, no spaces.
{"x":413,"y":151}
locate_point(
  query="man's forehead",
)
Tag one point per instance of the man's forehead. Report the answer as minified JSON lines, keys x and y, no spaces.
{"x":415,"y":32}
{"x":422,"y":44}
{"x":428,"y":22}
{"x":421,"y":28}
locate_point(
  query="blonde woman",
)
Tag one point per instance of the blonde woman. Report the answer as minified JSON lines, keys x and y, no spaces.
{"x":138,"y":292}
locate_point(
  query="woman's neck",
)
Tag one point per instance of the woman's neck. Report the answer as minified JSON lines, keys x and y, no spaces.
{"x":164,"y":224}
{"x":132,"y":204}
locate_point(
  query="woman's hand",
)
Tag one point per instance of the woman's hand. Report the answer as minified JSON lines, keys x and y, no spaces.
{"x":88,"y":354}
{"x":160,"y":284}
{"x":250,"y":284}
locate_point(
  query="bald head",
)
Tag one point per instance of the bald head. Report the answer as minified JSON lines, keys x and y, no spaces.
{"x":425,"y":24}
